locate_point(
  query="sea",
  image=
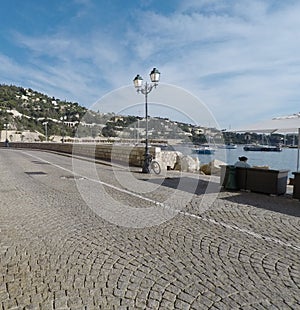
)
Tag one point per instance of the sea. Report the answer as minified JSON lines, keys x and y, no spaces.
{"x":286,"y":159}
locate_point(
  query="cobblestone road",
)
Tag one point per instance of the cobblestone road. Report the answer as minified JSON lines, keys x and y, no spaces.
{"x":60,"y":250}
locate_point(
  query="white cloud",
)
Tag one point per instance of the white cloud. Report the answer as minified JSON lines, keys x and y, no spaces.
{"x":239,"y":62}
{"x":240,"y":58}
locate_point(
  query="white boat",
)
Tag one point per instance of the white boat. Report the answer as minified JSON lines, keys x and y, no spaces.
{"x":204,"y":150}
{"x":227,"y":146}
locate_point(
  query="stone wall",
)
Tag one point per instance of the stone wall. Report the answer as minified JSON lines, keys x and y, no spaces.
{"x":118,"y":153}
{"x":132,"y":155}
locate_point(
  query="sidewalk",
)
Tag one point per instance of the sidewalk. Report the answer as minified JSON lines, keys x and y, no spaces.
{"x":56,"y":253}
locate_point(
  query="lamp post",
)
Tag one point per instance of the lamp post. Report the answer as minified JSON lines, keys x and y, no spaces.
{"x":63,"y":119}
{"x":6,"y":127}
{"x":6,"y":139}
{"x":46,"y":131}
{"x":145,"y":89}
{"x":5,"y":119}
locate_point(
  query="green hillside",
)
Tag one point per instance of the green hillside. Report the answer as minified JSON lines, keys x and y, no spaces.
{"x":25,"y":109}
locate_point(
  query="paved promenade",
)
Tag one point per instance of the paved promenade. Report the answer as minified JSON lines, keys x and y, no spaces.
{"x":109,"y":238}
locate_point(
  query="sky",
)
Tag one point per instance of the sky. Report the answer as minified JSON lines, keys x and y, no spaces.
{"x":240,"y":59}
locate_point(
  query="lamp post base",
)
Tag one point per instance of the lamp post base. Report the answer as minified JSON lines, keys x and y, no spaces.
{"x":145,"y":169}
{"x":146,"y":166}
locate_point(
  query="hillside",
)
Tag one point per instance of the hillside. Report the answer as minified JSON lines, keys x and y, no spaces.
{"x":28,"y":115}
{"x":26,"y":110}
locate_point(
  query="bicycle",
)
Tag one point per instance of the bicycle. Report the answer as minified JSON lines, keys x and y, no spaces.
{"x":155,"y":166}
{"x":151,"y":164}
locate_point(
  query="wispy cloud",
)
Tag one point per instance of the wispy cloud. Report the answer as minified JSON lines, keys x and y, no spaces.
{"x":240,"y":58}
{"x":237,"y":61}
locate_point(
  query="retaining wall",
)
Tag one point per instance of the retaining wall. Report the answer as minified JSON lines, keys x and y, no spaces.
{"x":129,"y":154}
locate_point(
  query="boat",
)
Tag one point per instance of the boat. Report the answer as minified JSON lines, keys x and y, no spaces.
{"x":203,"y":150}
{"x":262,"y":148}
{"x":227,"y":146}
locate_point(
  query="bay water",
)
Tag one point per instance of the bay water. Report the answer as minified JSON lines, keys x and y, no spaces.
{"x":286,"y":159}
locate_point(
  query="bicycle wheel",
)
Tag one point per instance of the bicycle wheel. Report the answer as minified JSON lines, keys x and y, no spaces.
{"x":155,"y":167}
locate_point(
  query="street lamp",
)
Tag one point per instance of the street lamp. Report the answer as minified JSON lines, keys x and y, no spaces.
{"x":46,"y":131}
{"x":6,"y":139}
{"x":6,"y":127}
{"x":145,"y":89}
{"x":63,"y":119}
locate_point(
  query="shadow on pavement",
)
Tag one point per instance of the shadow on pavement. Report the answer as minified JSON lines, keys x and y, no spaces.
{"x":281,"y":204}
{"x":191,"y":185}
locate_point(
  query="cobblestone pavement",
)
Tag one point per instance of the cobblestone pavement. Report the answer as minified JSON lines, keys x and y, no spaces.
{"x":240,"y":251}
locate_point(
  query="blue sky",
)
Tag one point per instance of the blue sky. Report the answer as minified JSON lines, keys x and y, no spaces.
{"x":240,"y":58}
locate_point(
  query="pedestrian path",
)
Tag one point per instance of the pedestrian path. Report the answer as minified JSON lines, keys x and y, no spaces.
{"x":56,"y":253}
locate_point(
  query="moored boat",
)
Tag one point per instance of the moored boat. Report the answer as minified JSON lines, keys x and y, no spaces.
{"x":227,"y":146}
{"x":262,"y":148}
{"x":204,"y":150}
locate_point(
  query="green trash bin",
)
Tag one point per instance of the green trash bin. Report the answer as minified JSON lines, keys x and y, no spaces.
{"x":231,"y":179}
